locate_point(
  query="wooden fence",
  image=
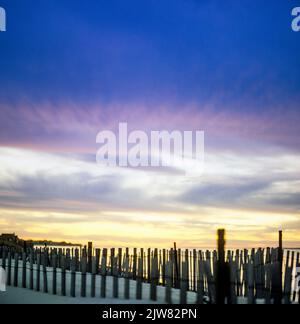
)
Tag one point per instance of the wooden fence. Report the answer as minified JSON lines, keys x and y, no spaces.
{"x":194,"y":276}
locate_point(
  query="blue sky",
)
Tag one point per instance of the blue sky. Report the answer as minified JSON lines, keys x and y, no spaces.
{"x":69,"y":69}
{"x":180,"y":50}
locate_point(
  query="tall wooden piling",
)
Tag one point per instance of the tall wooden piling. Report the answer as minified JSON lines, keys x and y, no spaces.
{"x":223,"y":275}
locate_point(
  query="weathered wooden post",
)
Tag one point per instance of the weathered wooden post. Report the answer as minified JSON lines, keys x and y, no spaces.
{"x":38,"y":270}
{"x":184,"y":282}
{"x":97,"y":259}
{"x":68,"y":259}
{"x":103,"y":273}
{"x":200,"y":277}
{"x":45,"y":279}
{"x":4,"y":258}
{"x":154,"y":277}
{"x":176,"y":266}
{"x":73,"y":278}
{"x":222,"y":275}
{"x":194,"y":270}
{"x":169,"y":282}
{"x":149,"y":265}
{"x":31,"y":260}
{"x":276,"y":291}
{"x":134,"y":264}
{"x":9,"y":267}
{"x":120,"y":253}
{"x":112,"y":256}
{"x":296,"y":285}
{"x":83,"y":275}
{"x":54,"y":274}
{"x":126,"y":281}
{"x":163,"y":267}
{"x":76,"y":260}
{"x":139,"y":278}
{"x":89,"y":256}
{"x":115,"y":278}
{"x":24,"y":270}
{"x":93,"y":277}
{"x":250,"y":272}
{"x":63,"y":275}
{"x":142,"y":256}
{"x":280,"y":260}
{"x":16,"y":269}
{"x":288,"y":277}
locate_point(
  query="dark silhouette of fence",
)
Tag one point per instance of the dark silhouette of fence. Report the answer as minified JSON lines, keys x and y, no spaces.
{"x":217,"y":277}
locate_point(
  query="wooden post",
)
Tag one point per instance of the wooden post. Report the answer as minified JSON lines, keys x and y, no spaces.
{"x":24,"y":270}
{"x":103,"y":273}
{"x":184,"y":283}
{"x":200,"y":288}
{"x":83,"y":275}
{"x":4,"y":258}
{"x":232,"y":268}
{"x":90,"y":255}
{"x":154,"y":277}
{"x":296,"y":286}
{"x":142,"y":256}
{"x":59,"y":258}
{"x":288,"y":278}
{"x":134,"y":264}
{"x":169,"y":281}
{"x":297,"y":281}
{"x":127,"y":275}
{"x":238,"y":261}
{"x":115,"y":278}
{"x":38,"y":270}
{"x":164,"y":267}
{"x":97,"y":259}
{"x":76,"y":261}
{"x":194,"y":269}
{"x":250,"y":282}
{"x":222,"y":276}
{"x":63,"y":275}
{"x":187,"y":259}
{"x":54,"y":274}
{"x":120,"y":261}
{"x":149,"y":265}
{"x":268,"y":279}
{"x":176,"y":266}
{"x":68,"y":259}
{"x":280,"y":260}
{"x":31,"y":259}
{"x":16,"y":269}
{"x":93,"y":276}
{"x":45,"y":279}
{"x":9,"y":268}
{"x":73,"y":277}
{"x":211,"y":281}
{"x":112,"y":256}
{"x":139,"y":283}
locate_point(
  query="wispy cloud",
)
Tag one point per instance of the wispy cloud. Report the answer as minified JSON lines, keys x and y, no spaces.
{"x":43,"y":192}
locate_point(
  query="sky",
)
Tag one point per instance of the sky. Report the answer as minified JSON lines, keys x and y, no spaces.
{"x":69,"y":69}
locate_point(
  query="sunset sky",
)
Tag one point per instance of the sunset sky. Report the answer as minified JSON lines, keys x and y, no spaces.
{"x":69,"y":69}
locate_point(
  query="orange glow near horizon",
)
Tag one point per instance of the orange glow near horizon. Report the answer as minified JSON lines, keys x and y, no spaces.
{"x":156,"y":233}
